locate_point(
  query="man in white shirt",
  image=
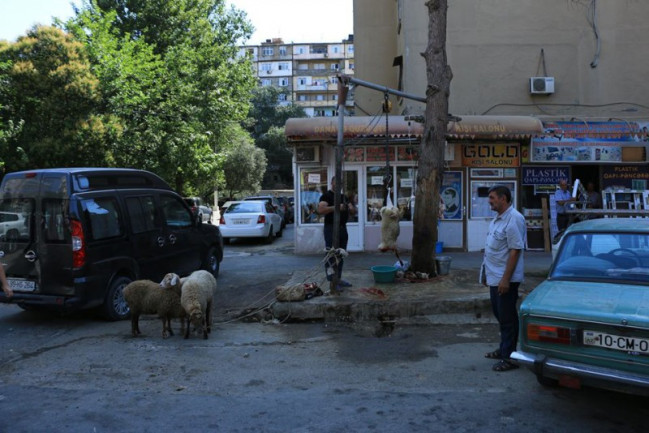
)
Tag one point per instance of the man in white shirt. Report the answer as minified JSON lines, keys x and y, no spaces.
{"x":502,"y":271}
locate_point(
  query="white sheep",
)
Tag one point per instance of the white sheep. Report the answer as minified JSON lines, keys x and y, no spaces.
{"x":197,"y":294}
{"x":148,"y":297}
{"x":390,"y":217}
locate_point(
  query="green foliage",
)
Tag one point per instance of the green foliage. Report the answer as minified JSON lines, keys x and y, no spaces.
{"x":244,"y":164}
{"x":266,"y":124}
{"x":51,"y":104}
{"x":169,"y":70}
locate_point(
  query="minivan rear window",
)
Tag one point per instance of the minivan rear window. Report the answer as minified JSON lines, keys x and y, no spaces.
{"x":55,"y":222}
{"x":102,"y":217}
{"x":15,"y":218}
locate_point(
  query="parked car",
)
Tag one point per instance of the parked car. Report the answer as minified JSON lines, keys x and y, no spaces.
{"x":91,"y":231}
{"x":13,"y":225}
{"x":202,"y":212}
{"x":288,"y":211}
{"x":588,"y":323}
{"x":251,"y":219}
{"x":274,"y":202}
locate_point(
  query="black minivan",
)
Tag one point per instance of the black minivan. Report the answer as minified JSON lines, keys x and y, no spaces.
{"x":91,"y":231}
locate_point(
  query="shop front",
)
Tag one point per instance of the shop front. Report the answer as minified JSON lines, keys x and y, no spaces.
{"x":480,"y":151}
{"x":612,"y":156}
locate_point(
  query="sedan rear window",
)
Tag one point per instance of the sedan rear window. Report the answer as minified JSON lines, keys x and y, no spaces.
{"x":245,"y":207}
{"x":609,"y":256}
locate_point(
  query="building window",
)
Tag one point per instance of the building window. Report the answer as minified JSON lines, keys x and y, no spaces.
{"x":281,"y":97}
{"x":335,"y":66}
{"x":266,"y":67}
{"x":302,"y":98}
{"x":266,"y":82}
{"x":319,"y":97}
{"x":350,"y":49}
{"x":282,"y":51}
{"x":319,"y":66}
{"x":267,"y":51}
{"x":283,"y":67}
{"x":300,"y":50}
{"x":283,"y":81}
{"x":351,"y":66}
{"x":335,"y":50}
{"x":301,"y":81}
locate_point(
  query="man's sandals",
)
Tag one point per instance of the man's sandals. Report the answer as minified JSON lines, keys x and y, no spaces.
{"x":493,"y":355}
{"x":504,"y":365}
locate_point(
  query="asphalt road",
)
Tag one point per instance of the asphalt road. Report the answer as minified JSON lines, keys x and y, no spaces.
{"x":81,"y":374}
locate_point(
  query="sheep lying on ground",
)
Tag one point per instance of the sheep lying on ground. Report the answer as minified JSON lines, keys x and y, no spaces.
{"x":389,"y":228}
{"x":148,"y":297}
{"x":197,"y":294}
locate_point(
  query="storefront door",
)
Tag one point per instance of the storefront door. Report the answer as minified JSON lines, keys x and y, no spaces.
{"x":352,"y":190}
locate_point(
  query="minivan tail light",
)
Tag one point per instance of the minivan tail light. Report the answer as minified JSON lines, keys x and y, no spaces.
{"x":78,"y":244}
{"x":548,"y":334}
{"x":222,"y":221}
{"x":261,"y":219}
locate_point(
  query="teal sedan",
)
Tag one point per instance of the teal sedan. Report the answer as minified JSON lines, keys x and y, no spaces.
{"x":588,"y":322}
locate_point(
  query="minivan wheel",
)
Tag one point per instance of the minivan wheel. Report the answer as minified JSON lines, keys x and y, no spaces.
{"x":211,"y":263}
{"x":115,"y":306}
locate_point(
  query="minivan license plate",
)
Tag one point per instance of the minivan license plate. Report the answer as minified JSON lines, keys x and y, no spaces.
{"x":240,"y":221}
{"x":21,"y":285}
{"x":616,"y":342}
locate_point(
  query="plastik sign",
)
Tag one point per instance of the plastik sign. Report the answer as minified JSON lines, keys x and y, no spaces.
{"x":544,"y":175}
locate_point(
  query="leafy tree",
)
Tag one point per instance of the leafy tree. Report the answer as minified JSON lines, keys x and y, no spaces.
{"x":171,"y":72}
{"x":266,"y":124}
{"x":244,"y":164}
{"x":50,"y":112}
{"x":431,"y":159}
{"x":279,"y":156}
{"x":266,"y":112}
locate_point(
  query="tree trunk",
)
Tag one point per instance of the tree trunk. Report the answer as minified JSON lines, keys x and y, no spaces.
{"x":431,"y":155}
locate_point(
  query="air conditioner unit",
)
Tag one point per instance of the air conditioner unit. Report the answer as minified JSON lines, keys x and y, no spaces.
{"x":269,"y":71}
{"x":541,"y":85}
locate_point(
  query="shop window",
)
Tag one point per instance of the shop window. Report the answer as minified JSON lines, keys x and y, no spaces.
{"x":405,"y":189}
{"x":313,"y":182}
{"x":480,"y":197}
{"x":375,"y":192}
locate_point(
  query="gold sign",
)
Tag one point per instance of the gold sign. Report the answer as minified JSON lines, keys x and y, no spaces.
{"x":491,"y":155}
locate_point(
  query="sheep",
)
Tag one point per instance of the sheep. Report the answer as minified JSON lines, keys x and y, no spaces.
{"x":389,"y":228}
{"x":148,"y":297}
{"x":197,"y":294}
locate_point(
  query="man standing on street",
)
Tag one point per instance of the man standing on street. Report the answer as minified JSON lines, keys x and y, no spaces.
{"x":562,"y":197}
{"x":502,"y":271}
{"x":326,"y":208}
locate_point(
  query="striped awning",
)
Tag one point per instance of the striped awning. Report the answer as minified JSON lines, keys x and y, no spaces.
{"x":399,"y":127}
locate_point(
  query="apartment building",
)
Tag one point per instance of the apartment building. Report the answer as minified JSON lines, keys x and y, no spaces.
{"x":306,"y":71}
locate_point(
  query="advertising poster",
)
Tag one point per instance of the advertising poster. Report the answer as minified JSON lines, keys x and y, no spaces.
{"x":451,"y":195}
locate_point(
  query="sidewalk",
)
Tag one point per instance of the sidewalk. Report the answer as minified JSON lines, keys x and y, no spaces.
{"x":453,"y":298}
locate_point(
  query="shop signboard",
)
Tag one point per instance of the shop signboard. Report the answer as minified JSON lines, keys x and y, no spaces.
{"x":491,"y":155}
{"x":543,"y":175}
{"x":625,"y":176}
{"x":576,"y":150}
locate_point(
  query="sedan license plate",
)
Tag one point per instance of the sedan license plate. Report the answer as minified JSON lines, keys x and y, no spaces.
{"x":240,"y":221}
{"x":616,"y":342}
{"x":21,"y":285}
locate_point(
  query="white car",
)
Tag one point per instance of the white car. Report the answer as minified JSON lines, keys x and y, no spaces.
{"x":13,"y":225}
{"x":251,"y":219}
{"x":202,"y":212}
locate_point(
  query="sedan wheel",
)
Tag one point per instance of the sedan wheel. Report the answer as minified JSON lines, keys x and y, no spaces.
{"x":269,"y":238}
